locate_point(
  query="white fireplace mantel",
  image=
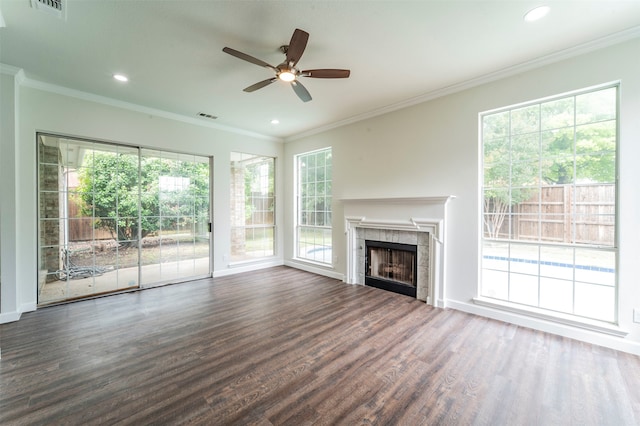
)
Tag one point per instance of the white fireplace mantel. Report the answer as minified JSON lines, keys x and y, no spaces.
{"x":413,"y":214}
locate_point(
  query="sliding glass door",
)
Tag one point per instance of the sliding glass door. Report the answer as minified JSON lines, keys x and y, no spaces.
{"x":113,"y":217}
{"x":175,"y":216}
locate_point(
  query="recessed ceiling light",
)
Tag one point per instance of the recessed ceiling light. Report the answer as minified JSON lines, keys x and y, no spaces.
{"x":536,"y":13}
{"x":275,"y":121}
{"x":121,"y":77}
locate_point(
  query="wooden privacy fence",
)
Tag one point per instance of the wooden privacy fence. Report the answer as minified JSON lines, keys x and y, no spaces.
{"x":82,"y":228}
{"x":583,"y":214}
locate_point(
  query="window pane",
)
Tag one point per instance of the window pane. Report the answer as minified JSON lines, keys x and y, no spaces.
{"x":495,"y":284}
{"x":557,"y":143}
{"x":596,"y":138}
{"x":525,"y":148}
{"x":556,"y":295}
{"x":525,"y":120}
{"x":596,"y":168}
{"x":596,"y":106}
{"x":557,"y":114}
{"x":595,"y":301}
{"x":523,"y":289}
{"x":496,"y":255}
{"x":496,"y":126}
{"x":596,"y":266}
{"x":496,"y":175}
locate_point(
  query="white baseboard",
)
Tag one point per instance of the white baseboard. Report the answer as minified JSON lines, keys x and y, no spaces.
{"x":565,"y":330}
{"x":13,"y":316}
{"x":6,"y":317}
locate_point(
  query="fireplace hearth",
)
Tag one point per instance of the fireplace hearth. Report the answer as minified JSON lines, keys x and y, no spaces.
{"x":391,"y":266}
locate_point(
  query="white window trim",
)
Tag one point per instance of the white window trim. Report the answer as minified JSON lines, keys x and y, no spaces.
{"x":604,"y":327}
{"x":296,"y":211}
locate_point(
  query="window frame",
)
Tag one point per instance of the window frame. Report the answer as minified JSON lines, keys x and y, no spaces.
{"x":323,"y":229}
{"x":258,"y":158}
{"x":606,"y":325}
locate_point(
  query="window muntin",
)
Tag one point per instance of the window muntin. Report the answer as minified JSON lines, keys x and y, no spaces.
{"x":252,"y":207}
{"x":549,"y":204}
{"x":313,"y":204}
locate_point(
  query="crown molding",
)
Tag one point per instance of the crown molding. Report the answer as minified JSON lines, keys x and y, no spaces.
{"x":78,"y":94}
{"x":610,"y":40}
{"x":18,"y":73}
{"x":442,"y":199}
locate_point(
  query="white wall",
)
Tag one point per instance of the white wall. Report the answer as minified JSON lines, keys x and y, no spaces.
{"x":8,"y":102}
{"x":48,"y":109}
{"x":431,"y":149}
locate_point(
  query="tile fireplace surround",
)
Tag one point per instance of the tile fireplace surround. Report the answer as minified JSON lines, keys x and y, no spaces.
{"x":419,"y":221}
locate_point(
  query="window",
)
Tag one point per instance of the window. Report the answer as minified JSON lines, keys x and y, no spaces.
{"x":313,"y":204}
{"x":252,"y":207}
{"x":549,"y":213}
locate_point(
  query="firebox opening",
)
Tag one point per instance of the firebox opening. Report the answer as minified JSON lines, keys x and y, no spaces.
{"x":391,"y":266}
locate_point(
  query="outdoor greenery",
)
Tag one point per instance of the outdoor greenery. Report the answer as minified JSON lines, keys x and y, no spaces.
{"x":315,"y":188}
{"x":173,"y":194}
{"x":563,"y":141}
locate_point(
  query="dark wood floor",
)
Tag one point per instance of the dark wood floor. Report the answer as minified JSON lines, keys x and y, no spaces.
{"x":282,"y":346}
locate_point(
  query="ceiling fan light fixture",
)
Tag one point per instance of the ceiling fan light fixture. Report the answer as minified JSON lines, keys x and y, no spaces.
{"x":287,"y":76}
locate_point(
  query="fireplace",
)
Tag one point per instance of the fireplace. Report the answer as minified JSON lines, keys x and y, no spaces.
{"x":414,"y":221}
{"x":392,"y":266}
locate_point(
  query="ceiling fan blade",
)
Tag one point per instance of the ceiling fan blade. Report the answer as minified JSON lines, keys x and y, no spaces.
{"x":326,"y":73}
{"x":248,"y":58}
{"x":296,"y":46}
{"x":301,"y":91}
{"x":260,"y":84}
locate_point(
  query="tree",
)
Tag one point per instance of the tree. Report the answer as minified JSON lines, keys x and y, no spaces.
{"x":165,"y":194}
{"x":595,"y":155}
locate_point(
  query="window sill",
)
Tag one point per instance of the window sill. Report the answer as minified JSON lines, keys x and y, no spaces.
{"x":556,"y":317}
{"x":313,"y":263}
{"x":314,"y":267}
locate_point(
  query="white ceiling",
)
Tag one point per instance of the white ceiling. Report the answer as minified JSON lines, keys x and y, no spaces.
{"x":397,"y":51}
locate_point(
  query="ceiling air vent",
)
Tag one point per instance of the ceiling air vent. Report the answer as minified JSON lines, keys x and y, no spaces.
{"x":204,"y":115}
{"x":54,"y":7}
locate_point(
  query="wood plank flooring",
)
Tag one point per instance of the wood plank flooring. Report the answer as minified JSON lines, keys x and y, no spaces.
{"x":285,"y":347}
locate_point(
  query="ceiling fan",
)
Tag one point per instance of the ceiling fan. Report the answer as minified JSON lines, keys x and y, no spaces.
{"x":287,"y":70}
